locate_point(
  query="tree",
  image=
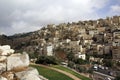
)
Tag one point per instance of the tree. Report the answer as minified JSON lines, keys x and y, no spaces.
{"x":70,"y":56}
{"x":71,"y":64}
{"x":79,"y":61}
{"x":80,"y":68}
{"x":108,"y":62}
{"x":47,"y":60}
{"x":117,"y":77}
{"x":32,"y":55}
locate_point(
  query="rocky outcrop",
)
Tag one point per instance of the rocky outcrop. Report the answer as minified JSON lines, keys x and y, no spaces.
{"x":30,"y":77}
{"x":3,"y":78}
{"x":17,"y":60}
{"x":2,"y":67}
{"x":2,"y":58}
{"x":6,"y":50}
{"x":9,"y":75}
{"x":16,"y":66}
{"x":28,"y":74}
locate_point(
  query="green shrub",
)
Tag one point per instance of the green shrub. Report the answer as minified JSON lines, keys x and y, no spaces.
{"x":71,"y":64}
{"x":47,"y":60}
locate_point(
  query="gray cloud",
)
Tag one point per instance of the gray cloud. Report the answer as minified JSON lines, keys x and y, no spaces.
{"x":115,"y":9}
{"x":18,"y":16}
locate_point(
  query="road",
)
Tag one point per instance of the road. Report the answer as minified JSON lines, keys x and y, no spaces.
{"x":104,"y":75}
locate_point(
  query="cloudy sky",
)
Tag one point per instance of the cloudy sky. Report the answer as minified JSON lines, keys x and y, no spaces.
{"x":17,"y":16}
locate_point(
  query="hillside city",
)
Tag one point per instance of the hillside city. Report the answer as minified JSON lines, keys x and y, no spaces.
{"x":91,"y":48}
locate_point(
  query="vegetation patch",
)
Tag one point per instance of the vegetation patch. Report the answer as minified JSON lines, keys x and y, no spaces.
{"x":72,"y":72}
{"x":47,"y":60}
{"x":51,"y":74}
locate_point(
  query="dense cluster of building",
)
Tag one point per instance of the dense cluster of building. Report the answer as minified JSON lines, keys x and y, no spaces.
{"x":100,"y":37}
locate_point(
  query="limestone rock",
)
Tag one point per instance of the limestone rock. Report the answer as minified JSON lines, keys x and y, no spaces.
{"x":16,"y":66}
{"x":3,"y":78}
{"x":8,"y":75}
{"x":6,"y":50}
{"x":2,"y":67}
{"x":29,"y":74}
{"x":43,"y":78}
{"x":17,"y":60}
{"x":30,"y":77}
{"x":2,"y":58}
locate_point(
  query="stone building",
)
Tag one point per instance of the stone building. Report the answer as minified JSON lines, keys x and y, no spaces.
{"x":116,"y":53}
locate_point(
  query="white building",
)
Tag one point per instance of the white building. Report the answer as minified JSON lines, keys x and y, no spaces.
{"x":68,"y":40}
{"x":93,"y":32}
{"x":116,"y":35}
{"x":50,"y":50}
{"x":116,"y":42}
{"x":81,"y":56}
